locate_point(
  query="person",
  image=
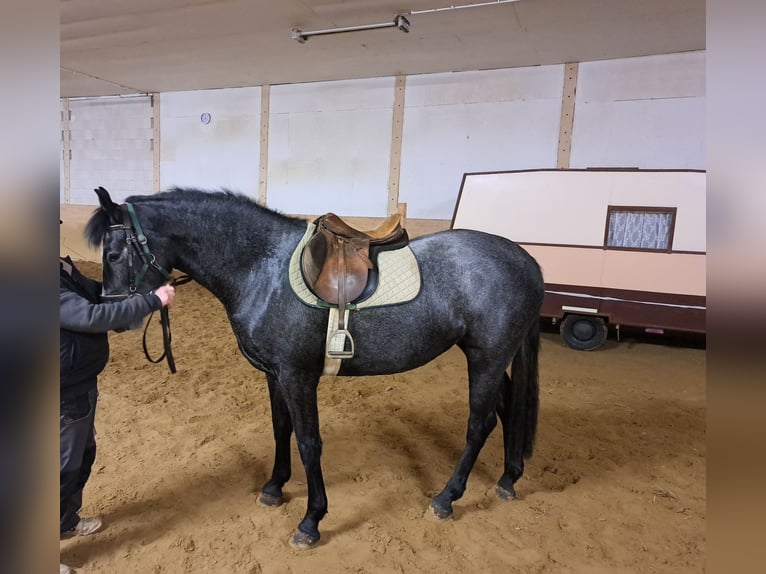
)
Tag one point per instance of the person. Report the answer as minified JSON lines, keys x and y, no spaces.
{"x":84,"y":325}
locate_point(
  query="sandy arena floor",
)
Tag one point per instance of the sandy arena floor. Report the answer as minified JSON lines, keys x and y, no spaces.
{"x":617,"y":482}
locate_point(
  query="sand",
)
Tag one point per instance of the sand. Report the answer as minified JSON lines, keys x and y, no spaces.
{"x":616,"y":484}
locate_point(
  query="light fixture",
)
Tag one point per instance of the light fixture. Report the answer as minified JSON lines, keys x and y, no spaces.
{"x":399,"y":22}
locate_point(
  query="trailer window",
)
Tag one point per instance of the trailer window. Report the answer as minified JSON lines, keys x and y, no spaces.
{"x":644,"y":228}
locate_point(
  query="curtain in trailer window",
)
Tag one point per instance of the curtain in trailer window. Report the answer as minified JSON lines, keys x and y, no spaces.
{"x":639,"y":230}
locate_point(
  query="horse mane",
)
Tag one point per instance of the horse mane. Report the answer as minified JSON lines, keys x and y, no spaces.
{"x":99,"y":222}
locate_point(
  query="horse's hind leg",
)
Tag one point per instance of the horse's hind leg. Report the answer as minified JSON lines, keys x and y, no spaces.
{"x":271,"y":493}
{"x":485,"y":377}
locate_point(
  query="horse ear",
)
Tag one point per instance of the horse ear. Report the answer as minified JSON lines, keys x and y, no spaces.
{"x":110,"y":207}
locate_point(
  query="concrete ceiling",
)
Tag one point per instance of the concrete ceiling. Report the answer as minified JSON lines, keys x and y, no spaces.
{"x":139,"y":46}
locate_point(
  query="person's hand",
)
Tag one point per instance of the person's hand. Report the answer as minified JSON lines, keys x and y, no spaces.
{"x":166,"y":293}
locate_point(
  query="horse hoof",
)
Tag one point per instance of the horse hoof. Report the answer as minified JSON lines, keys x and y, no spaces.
{"x":440,"y":512}
{"x":504,"y":493}
{"x":303,"y":541}
{"x":269,"y":500}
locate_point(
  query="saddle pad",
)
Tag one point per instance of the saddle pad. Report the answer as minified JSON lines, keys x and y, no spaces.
{"x":398,"y":278}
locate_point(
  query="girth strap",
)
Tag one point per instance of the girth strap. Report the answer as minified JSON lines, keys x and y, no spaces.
{"x":340,"y":246}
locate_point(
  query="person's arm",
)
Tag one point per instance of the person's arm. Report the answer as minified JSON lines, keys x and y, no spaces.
{"x":78,"y":314}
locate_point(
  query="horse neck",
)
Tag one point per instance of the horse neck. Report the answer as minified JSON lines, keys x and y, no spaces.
{"x":227,"y":252}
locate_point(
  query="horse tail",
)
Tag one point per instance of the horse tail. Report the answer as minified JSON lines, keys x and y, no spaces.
{"x":522,"y":394}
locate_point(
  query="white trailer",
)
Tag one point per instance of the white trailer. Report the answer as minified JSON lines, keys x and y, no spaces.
{"x":616,"y":246}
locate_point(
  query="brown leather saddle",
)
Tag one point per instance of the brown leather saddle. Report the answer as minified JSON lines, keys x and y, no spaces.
{"x":339,"y":264}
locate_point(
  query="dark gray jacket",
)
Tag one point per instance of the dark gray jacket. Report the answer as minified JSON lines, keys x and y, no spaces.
{"x":84,"y":323}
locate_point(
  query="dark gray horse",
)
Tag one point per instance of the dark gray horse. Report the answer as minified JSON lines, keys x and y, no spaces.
{"x":479,"y":291}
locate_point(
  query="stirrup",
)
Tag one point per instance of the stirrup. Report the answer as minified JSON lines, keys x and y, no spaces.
{"x":343,"y":353}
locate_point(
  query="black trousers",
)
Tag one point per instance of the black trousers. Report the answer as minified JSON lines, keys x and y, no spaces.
{"x":78,"y":451}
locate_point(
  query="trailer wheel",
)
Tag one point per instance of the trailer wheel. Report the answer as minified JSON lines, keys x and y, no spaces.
{"x":583,"y":332}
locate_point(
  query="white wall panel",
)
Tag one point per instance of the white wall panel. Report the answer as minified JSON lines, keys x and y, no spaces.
{"x":221,"y":154}
{"x":330,"y":142}
{"x":644,"y":112}
{"x":330,"y":146}
{"x":475,"y":121}
{"x":111,"y":147}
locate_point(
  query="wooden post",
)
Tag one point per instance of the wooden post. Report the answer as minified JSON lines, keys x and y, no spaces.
{"x":567,"y":115}
{"x":155,"y":101}
{"x":263,"y":172}
{"x":66,"y":149}
{"x":402,"y":210}
{"x":397,"y":125}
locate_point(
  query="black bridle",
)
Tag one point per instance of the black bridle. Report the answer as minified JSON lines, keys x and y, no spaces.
{"x":138,"y":243}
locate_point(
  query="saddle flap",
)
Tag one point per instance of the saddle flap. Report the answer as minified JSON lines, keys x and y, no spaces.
{"x":323,"y":268}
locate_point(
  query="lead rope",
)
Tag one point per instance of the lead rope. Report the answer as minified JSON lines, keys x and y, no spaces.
{"x":167,"y":338}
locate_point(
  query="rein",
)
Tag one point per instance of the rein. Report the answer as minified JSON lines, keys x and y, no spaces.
{"x":167,"y":352}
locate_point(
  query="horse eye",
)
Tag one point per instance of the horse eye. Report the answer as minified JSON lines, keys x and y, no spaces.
{"x":113,"y":257}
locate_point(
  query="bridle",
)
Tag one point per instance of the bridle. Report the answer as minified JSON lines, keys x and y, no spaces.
{"x":138,"y":243}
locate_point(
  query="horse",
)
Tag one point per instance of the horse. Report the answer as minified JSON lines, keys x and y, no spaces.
{"x":479,"y":291}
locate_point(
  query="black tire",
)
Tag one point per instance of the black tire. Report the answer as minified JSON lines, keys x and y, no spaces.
{"x":583,"y":332}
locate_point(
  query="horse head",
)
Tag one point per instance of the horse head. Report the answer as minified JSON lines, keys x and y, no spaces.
{"x":129,"y":263}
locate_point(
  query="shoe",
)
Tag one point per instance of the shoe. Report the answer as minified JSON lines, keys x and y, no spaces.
{"x":64,"y":569}
{"x":85,"y":527}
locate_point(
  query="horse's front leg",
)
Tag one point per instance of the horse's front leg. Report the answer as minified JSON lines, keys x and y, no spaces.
{"x":301,"y":396}
{"x":271,"y":494}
